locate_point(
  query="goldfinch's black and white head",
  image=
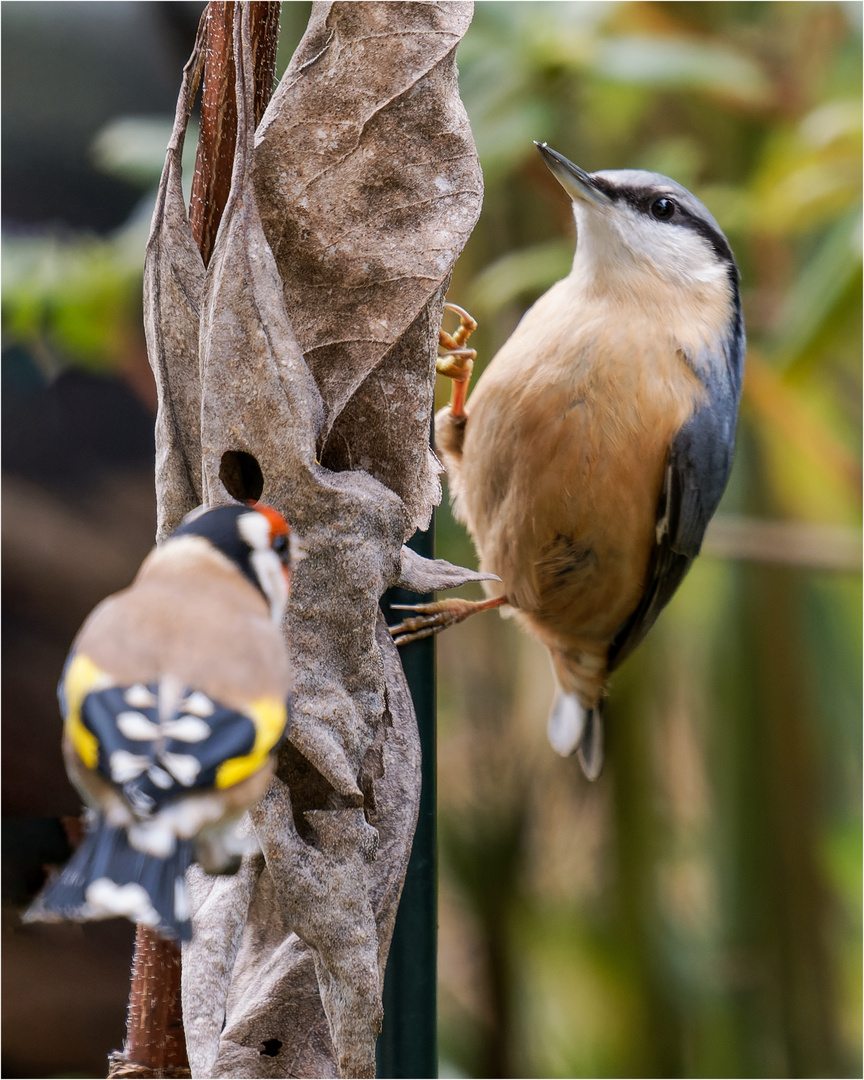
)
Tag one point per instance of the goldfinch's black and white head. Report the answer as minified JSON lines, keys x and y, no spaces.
{"x":256,"y":539}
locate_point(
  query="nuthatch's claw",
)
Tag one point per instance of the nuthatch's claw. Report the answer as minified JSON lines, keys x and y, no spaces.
{"x":467,"y":326}
{"x":454,"y":360}
{"x":457,"y":364}
{"x":433,"y":618}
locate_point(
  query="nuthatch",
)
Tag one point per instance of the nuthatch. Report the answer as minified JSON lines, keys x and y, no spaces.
{"x":598,"y":442}
{"x":174,"y":697}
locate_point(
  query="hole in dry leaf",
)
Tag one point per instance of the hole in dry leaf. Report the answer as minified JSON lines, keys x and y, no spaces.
{"x":270,"y":1047}
{"x":241,"y":475}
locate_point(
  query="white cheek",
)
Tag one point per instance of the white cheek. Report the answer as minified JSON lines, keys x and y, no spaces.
{"x":269,"y":571}
{"x":677,"y":254}
{"x":255,"y":530}
{"x":684,"y":254}
{"x":634,"y":251}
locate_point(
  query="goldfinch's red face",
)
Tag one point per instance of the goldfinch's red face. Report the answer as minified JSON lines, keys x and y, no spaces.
{"x":281,"y":541}
{"x":269,"y":536}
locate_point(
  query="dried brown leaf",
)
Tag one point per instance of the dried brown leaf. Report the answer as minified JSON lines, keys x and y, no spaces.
{"x":173,"y":282}
{"x":292,"y":950}
{"x":369,"y":186}
{"x":273,"y":989}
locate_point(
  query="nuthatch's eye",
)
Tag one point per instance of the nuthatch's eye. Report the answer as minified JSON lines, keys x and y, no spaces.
{"x":663,"y":208}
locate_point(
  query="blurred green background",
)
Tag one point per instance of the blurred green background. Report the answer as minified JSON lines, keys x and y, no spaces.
{"x":697,"y":911}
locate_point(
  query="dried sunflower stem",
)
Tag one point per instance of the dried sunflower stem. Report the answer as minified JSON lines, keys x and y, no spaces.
{"x":155,"y":1044}
{"x":306,"y":346}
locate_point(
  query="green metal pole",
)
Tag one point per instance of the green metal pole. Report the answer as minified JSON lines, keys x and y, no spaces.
{"x":408,"y":1043}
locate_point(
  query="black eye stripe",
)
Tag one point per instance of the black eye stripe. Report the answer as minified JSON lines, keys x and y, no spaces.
{"x":717,"y":241}
{"x":641,"y":200}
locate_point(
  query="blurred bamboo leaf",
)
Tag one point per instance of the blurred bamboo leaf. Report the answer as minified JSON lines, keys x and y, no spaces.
{"x":73,"y":300}
{"x":692,"y":914}
{"x":520,"y":274}
{"x":133,"y":148}
{"x":505,"y":115}
{"x":686,"y":63}
{"x":811,"y":173}
{"x":778,"y":404}
{"x":811,"y":304}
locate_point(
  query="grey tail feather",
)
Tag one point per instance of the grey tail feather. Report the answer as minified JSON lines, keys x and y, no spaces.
{"x":573,"y":729}
{"x":566,"y":724}
{"x":590,"y":751}
{"x":107,"y":858}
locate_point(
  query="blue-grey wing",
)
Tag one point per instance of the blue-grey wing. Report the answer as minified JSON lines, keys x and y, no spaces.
{"x":697,"y":469}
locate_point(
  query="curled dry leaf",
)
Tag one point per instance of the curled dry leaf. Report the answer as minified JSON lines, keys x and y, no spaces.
{"x":342,"y":446}
{"x":270,"y":995}
{"x":368,"y":186}
{"x":173,"y":282}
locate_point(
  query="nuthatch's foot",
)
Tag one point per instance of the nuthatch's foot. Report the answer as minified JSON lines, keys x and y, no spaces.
{"x":454,"y":360}
{"x":433,"y":618}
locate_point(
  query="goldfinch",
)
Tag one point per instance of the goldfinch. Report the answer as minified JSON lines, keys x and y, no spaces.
{"x":174,"y":697}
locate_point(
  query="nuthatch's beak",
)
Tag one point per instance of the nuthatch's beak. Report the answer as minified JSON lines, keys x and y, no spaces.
{"x":575,"y":181}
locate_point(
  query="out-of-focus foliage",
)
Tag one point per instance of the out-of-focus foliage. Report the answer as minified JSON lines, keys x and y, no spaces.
{"x":697,"y":911}
{"x":73,"y":301}
{"x":70,"y":298}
